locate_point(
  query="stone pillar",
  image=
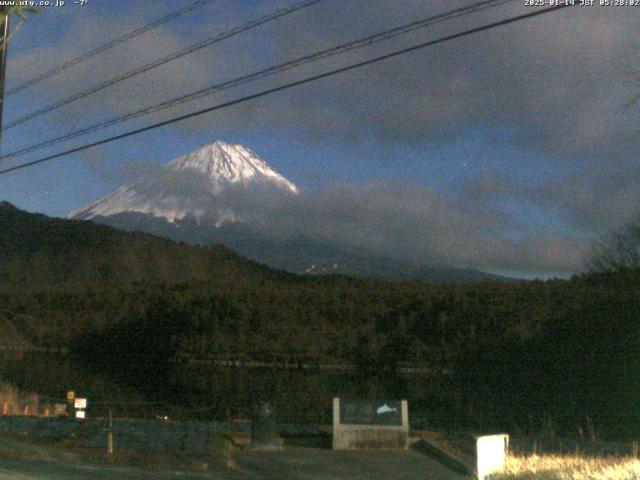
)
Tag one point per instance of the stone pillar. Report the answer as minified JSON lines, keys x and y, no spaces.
{"x":263,"y":428}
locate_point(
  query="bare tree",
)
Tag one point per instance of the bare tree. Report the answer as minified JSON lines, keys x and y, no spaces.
{"x":17,"y":11}
{"x":617,"y":250}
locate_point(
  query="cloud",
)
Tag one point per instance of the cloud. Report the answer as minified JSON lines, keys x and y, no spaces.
{"x":557,"y":83}
{"x":171,"y":79}
{"x":557,"y":86}
{"x":397,"y":219}
{"x":597,"y":197}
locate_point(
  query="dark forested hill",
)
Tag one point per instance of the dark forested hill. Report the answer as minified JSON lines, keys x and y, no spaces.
{"x":523,"y":354}
{"x":39,"y":251}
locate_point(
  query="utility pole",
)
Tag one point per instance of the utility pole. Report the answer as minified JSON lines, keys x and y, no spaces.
{"x":4,"y":45}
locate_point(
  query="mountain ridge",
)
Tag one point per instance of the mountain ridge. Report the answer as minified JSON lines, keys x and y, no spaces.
{"x":39,"y":251}
{"x":196,"y":198}
{"x":296,"y":254}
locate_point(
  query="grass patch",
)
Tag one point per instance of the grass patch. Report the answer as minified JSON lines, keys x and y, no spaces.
{"x":569,"y":467}
{"x":9,"y":399}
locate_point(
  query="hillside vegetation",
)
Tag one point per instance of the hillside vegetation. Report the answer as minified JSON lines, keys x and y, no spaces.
{"x":41,"y":252}
{"x":523,"y":355}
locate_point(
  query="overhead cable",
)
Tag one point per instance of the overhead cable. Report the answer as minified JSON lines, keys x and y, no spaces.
{"x":267,"y":72}
{"x":289,"y":85}
{"x":107,"y":46}
{"x":162,"y":61}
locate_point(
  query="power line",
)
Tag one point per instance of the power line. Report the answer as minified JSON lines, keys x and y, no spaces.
{"x":107,"y":46}
{"x":287,"y":86}
{"x":339,"y":49}
{"x":164,"y":60}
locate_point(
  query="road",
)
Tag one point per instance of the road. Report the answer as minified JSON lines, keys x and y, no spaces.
{"x":303,"y":464}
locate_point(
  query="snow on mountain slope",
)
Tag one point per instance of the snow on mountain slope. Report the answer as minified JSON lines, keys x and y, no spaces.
{"x":231,"y":162}
{"x":220,"y":164}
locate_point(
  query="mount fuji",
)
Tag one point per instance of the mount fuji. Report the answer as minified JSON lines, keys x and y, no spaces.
{"x":176,"y":192}
{"x":198,"y":198}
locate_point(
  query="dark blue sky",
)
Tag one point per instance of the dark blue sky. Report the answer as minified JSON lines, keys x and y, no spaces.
{"x":507,"y":150}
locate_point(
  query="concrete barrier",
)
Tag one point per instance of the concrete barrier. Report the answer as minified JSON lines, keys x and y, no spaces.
{"x":361,"y":424}
{"x":435,"y":451}
{"x":192,"y":438}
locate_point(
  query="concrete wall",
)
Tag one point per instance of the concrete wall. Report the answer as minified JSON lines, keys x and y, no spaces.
{"x":360,"y":437}
{"x":192,"y":438}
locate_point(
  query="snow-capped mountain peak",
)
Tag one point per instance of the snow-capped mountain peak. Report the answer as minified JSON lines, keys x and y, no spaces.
{"x":230,"y":162}
{"x":221,"y":163}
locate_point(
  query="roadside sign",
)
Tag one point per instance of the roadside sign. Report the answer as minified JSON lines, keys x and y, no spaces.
{"x":81,"y":403}
{"x":80,"y":414}
{"x":366,"y":412}
{"x":365,"y":424}
{"x":59,"y":409}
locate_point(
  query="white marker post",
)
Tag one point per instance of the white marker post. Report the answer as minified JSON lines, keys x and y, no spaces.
{"x":110,"y":435}
{"x":491,"y":451}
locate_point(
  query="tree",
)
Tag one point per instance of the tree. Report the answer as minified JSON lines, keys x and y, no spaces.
{"x":15,"y":10}
{"x":19,"y":12}
{"x":617,"y":250}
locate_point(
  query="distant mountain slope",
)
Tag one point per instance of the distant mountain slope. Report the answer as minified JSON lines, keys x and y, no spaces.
{"x":198,"y":198}
{"x":298,"y":255}
{"x":36,"y":250}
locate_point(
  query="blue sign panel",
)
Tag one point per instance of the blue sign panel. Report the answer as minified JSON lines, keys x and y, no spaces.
{"x":365,"y":412}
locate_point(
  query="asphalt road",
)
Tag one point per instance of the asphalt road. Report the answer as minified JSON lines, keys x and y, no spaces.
{"x":316,"y":464}
{"x":50,"y":470}
{"x":292,"y":463}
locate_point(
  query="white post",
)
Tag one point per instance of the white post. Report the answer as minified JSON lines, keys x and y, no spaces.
{"x":491,"y":453}
{"x":110,"y":435}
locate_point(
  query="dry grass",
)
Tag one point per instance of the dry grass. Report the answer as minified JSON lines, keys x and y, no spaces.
{"x":569,"y":467}
{"x":9,"y":395}
{"x":16,"y":402}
